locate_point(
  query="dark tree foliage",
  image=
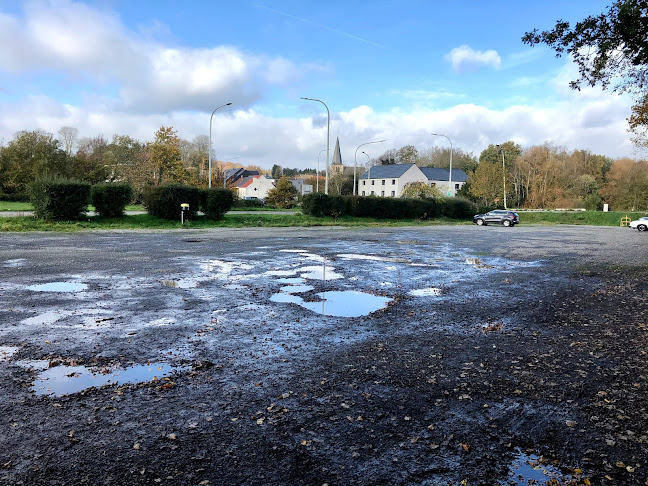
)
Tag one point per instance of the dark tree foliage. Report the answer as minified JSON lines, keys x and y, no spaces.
{"x":110,"y":200}
{"x":605,"y":47}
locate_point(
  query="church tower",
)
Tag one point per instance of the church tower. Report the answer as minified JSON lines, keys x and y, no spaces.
{"x":336,"y":166}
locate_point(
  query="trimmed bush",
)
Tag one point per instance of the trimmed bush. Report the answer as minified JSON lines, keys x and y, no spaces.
{"x":459,"y":208}
{"x":248,"y":203}
{"x":316,"y":204}
{"x":110,"y":200}
{"x":164,"y":201}
{"x":216,"y":202}
{"x":340,"y":206}
{"x":59,"y":199}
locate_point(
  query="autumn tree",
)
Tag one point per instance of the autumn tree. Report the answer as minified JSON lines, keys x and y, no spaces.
{"x":166,"y":156}
{"x":626,"y":186}
{"x":609,"y":49}
{"x":69,"y":136}
{"x":420,"y":190}
{"x":440,"y":157}
{"x":486,"y":183}
{"x":284,"y":194}
{"x":91,"y":160}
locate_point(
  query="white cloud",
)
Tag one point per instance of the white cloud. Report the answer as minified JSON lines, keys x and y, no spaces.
{"x":466,"y":59}
{"x":73,"y":39}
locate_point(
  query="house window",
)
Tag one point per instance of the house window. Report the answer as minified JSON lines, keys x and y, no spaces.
{"x":364,"y":182}
{"x":363,"y":193}
{"x":393,"y":193}
{"x":373,"y":182}
{"x":382,"y":193}
{"x":432,"y":184}
{"x":393,"y":182}
{"x":372,"y":193}
{"x":457,"y":187}
{"x":383,"y":182}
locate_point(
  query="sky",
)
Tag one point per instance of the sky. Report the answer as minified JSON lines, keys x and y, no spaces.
{"x":397,"y":70}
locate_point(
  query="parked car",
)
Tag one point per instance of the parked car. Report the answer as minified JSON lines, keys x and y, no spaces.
{"x":641,"y":224}
{"x":497,"y":216}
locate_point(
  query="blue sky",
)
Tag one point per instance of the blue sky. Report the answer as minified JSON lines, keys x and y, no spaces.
{"x":394,"y":70}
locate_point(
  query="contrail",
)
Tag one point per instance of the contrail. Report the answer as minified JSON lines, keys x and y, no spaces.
{"x":322,"y":26}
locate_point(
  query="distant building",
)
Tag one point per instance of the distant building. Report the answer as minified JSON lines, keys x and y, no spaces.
{"x":254,"y":187}
{"x":337,"y":167}
{"x":301,"y":187}
{"x":237,"y":173}
{"x":390,"y":180}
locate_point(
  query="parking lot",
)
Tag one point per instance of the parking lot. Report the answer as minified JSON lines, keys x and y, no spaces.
{"x":426,"y":355}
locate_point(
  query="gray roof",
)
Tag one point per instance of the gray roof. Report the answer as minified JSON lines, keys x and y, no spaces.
{"x":337,"y":156}
{"x":393,"y":171}
{"x":436,"y":174}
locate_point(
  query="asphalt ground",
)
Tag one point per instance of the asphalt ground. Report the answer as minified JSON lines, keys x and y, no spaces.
{"x":429,"y":355}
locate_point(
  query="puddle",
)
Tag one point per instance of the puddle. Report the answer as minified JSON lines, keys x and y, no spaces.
{"x":46,"y":318}
{"x":63,"y":380}
{"x":375,"y":258}
{"x":291,"y":281}
{"x":281,"y":273}
{"x":58,"y":287}
{"x":296,"y":289}
{"x":319,"y":273}
{"x":6,"y":352}
{"x":164,"y":321}
{"x":429,"y":292}
{"x":293,"y":251}
{"x":338,"y":303}
{"x":17,"y":262}
{"x":531,"y":469}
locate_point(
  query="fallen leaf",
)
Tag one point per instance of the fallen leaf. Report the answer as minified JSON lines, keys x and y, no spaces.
{"x":136,"y":446}
{"x":571,"y":423}
{"x":171,"y":437}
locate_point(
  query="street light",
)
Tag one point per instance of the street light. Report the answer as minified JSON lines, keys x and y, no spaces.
{"x":503,"y":173}
{"x":328,"y":130}
{"x":450,"y":176}
{"x":368,"y":171}
{"x":355,"y":163}
{"x":210,"y":143}
{"x":317,"y":174}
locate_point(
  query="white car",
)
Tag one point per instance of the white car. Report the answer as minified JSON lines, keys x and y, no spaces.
{"x":641,"y":224}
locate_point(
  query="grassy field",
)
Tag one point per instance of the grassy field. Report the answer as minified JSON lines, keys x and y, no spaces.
{"x":231,"y":220}
{"x":261,"y":218}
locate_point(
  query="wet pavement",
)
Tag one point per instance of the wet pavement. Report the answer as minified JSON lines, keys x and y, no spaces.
{"x":359,"y":356}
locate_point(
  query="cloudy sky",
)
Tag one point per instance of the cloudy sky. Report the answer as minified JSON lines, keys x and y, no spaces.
{"x":387,"y":69}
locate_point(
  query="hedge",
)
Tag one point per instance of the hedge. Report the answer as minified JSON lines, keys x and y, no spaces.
{"x":59,"y":199}
{"x":110,"y":200}
{"x":164,"y":201}
{"x":316,"y":204}
{"x":216,"y":202}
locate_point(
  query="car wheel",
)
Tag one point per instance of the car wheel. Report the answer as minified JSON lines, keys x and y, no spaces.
{"x":642,"y":227}
{"x":480,"y":222}
{"x":506,"y":222}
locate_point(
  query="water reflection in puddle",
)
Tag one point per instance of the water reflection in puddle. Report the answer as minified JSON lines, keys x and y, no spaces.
{"x":338,"y":303}
{"x":531,"y":469}
{"x":63,"y":380}
{"x":429,"y":292}
{"x":49,"y":317}
{"x":184,"y":283}
{"x":17,"y":262}
{"x":296,"y":289}
{"x":319,"y":273}
{"x":58,"y":287}
{"x":291,"y":281}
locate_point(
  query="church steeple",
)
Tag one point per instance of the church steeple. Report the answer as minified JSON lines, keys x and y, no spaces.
{"x":337,"y":156}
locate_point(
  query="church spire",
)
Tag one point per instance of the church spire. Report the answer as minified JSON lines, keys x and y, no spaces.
{"x":337,"y":156}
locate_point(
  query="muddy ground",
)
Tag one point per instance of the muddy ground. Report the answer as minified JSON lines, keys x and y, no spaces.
{"x":435,"y":356}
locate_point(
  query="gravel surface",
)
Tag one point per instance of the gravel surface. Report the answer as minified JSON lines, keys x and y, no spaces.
{"x":437,"y":355}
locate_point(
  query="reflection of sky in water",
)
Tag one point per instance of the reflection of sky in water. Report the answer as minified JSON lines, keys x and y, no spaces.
{"x":338,"y":303}
{"x":527,"y":469}
{"x":58,"y":287}
{"x":320,"y":272}
{"x":62,"y":380}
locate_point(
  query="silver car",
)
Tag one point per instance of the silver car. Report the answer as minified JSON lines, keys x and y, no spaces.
{"x":641,"y":224}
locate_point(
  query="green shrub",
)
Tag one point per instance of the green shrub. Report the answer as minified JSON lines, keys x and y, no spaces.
{"x":164,"y":201}
{"x":459,"y":208}
{"x":110,"y":200}
{"x":216,"y":202}
{"x":593,"y":203}
{"x":59,"y":199}
{"x":316,"y":204}
{"x":248,"y":203}
{"x":340,"y":206}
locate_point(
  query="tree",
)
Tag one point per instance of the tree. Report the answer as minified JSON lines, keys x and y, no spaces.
{"x":166,"y":156}
{"x":486,"y":183}
{"x":276,"y":172}
{"x":440,"y":157}
{"x":91,"y":160}
{"x":69,"y":136}
{"x":31,"y":155}
{"x":284,"y":195}
{"x":626,"y":185}
{"x":608,"y":48}
{"x":407,"y":154}
{"x":420,"y":190}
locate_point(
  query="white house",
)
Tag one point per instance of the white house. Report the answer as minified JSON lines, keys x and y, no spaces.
{"x":389,"y":180}
{"x":254,"y":187}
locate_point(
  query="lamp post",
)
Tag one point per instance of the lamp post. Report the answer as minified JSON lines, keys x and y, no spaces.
{"x":355,"y":163}
{"x":503,"y":174}
{"x":210,"y":137}
{"x":368,"y":171}
{"x":450,"y":191}
{"x":328,"y":130}
{"x":317,"y":174}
